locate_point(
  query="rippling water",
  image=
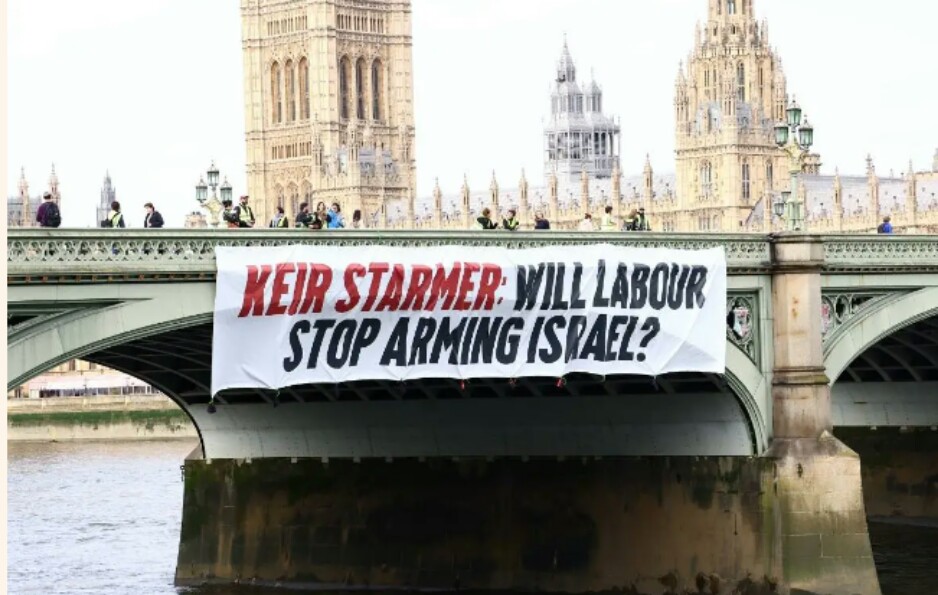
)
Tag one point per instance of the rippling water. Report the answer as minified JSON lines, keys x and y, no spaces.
{"x":104,"y":518}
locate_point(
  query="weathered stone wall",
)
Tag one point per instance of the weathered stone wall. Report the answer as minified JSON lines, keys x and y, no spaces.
{"x":822,"y":522}
{"x":638,"y":525}
{"x":97,"y":418}
{"x":900,"y":471}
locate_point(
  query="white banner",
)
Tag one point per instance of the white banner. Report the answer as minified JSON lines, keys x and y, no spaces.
{"x":292,"y":315}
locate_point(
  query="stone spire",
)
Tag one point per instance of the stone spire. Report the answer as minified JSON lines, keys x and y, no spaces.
{"x":838,"y":201}
{"x":25,"y":215}
{"x":617,"y":191}
{"x":649,"y":182}
{"x":493,"y":196}
{"x":54,"y":185}
{"x":523,"y":200}
{"x":437,"y":205}
{"x":24,"y":185}
{"x":911,"y":199}
{"x":934,"y":163}
{"x":466,"y":216}
{"x":873,"y":182}
{"x":566,"y":70}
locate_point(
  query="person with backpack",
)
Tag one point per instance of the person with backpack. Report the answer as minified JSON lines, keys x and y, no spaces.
{"x":885,"y":227}
{"x":115,"y":218}
{"x":48,"y":214}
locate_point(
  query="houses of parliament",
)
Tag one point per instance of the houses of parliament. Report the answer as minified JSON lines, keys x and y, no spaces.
{"x":330,"y":117}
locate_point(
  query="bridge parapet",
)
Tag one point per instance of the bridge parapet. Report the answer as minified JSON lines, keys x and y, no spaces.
{"x":82,"y":255}
{"x":93,"y":255}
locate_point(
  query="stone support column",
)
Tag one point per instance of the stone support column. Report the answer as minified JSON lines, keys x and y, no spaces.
{"x":825,"y":544}
{"x":800,"y":389}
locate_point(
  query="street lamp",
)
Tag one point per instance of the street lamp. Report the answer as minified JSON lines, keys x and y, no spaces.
{"x":795,"y":137}
{"x":213,"y":205}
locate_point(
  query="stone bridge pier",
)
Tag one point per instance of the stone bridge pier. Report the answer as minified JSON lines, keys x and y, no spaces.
{"x":688,"y":483}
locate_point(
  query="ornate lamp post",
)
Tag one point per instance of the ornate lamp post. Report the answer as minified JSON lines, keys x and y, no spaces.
{"x":795,"y":138}
{"x":213,"y":205}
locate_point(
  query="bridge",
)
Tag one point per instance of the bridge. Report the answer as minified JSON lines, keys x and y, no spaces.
{"x":822,"y":332}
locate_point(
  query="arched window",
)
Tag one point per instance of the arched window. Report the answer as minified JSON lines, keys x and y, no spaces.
{"x":304,"y":89}
{"x":345,"y":69}
{"x":290,"y":91}
{"x":277,"y":112}
{"x":307,"y":195}
{"x":769,"y":176}
{"x":377,"y":84}
{"x":730,"y":6}
{"x":278,"y":192}
{"x":360,"y":88}
{"x":741,"y":82}
{"x":706,"y":179}
{"x":746,"y":185}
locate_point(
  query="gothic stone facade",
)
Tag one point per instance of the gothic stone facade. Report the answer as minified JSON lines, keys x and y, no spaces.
{"x":728,"y":169}
{"x":329,"y":104}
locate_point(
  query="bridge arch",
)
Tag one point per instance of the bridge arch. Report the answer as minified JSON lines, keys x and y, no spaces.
{"x":890,"y":317}
{"x":884,"y":365}
{"x":148,"y":332}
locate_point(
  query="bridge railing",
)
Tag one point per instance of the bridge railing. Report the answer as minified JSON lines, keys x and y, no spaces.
{"x":74,"y":255}
{"x":71,"y":254}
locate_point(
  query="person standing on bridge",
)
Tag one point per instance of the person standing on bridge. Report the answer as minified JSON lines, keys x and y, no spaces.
{"x":587,"y":223}
{"x":511,"y":223}
{"x":485,"y":221}
{"x":609,"y":221}
{"x":280,"y":220}
{"x":641,"y":222}
{"x":115,"y":218}
{"x":334,"y":218}
{"x":153,"y":220}
{"x":245,"y":214}
{"x":230,"y":215}
{"x":885,"y":227}
{"x":540,"y":222}
{"x":48,"y":214}
{"x":303,"y":218}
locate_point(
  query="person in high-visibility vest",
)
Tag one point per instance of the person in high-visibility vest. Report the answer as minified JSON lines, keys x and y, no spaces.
{"x":609,"y":222}
{"x":511,"y":223}
{"x":280,"y":220}
{"x":245,"y":214}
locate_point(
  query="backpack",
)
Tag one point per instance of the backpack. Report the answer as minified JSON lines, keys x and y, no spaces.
{"x":52,"y":216}
{"x":881,"y":228}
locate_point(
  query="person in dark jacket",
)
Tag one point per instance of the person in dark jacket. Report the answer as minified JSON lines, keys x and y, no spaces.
{"x":153,"y":220}
{"x":641,"y":222}
{"x":48,"y":214}
{"x":485,"y":221}
{"x":304,"y":219}
{"x":540,"y":222}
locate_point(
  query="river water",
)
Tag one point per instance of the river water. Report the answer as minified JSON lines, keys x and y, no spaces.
{"x":104,"y":518}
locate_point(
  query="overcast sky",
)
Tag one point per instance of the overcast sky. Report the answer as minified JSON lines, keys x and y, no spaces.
{"x":152,"y":90}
